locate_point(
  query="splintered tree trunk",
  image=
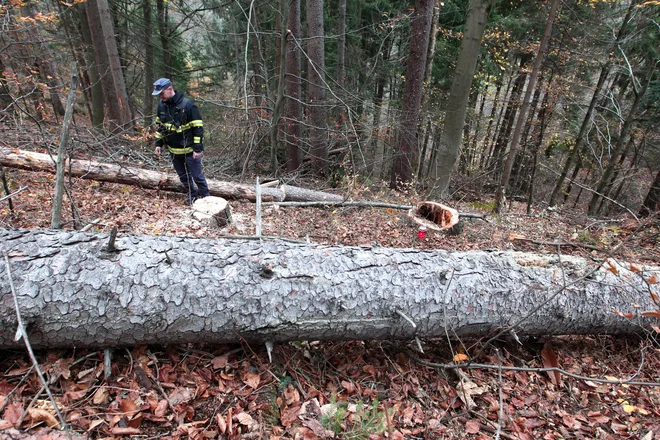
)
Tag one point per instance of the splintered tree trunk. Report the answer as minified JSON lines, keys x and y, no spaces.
{"x":74,"y":291}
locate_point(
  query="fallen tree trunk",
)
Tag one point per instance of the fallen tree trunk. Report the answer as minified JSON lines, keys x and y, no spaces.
{"x":108,"y":172}
{"x":73,"y":292}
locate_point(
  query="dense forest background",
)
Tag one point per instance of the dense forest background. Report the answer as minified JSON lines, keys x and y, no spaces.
{"x":546,"y":102}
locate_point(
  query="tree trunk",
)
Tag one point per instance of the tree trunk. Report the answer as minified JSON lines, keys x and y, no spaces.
{"x":74,"y":291}
{"x":502,"y":138}
{"x":587,"y":121}
{"x":163,"y":31}
{"x":450,"y":141}
{"x":651,"y":203}
{"x":88,"y":169}
{"x":92,"y":67}
{"x":341,"y":60}
{"x":522,"y":114}
{"x":293,"y":107}
{"x":112,"y":76}
{"x":621,"y":143}
{"x":318,"y":136}
{"x":56,"y":222}
{"x":406,"y":148}
{"x":149,"y":76}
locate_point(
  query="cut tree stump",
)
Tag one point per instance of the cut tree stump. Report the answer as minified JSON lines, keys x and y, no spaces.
{"x":214,"y":211}
{"x":108,"y":172}
{"x":434,"y":216}
{"x":165,"y":290}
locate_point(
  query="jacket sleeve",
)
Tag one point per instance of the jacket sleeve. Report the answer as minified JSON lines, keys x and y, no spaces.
{"x":197,"y":127}
{"x":159,"y":132}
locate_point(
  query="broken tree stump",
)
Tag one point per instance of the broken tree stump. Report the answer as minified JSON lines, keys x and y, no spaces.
{"x":215,"y":211}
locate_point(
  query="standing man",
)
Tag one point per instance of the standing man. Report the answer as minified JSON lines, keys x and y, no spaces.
{"x":180,"y":127}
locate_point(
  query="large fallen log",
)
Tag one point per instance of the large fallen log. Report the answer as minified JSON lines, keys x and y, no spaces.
{"x":73,"y":292}
{"x":110,"y":172}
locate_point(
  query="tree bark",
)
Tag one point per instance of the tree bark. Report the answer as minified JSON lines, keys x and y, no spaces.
{"x":293,"y":106}
{"x":318,"y":135}
{"x":407,"y":148}
{"x":522,"y":114}
{"x":71,"y":291}
{"x":108,"y":172}
{"x":112,"y":76}
{"x":651,"y":203}
{"x":56,"y":222}
{"x":452,"y":134}
{"x":587,"y":120}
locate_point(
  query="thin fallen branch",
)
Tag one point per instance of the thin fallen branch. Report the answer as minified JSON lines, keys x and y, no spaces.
{"x":9,"y":196}
{"x":560,"y":244}
{"x":22,"y":333}
{"x":367,"y":205}
{"x":472,"y":366}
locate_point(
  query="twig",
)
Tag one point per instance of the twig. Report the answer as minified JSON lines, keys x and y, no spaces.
{"x":472,"y":366}
{"x":90,"y":225}
{"x":561,"y":243}
{"x":22,"y":333}
{"x":500,"y":416}
{"x":157,"y":382}
{"x":9,"y":196}
{"x":27,"y":408}
{"x":537,"y":308}
{"x":368,"y":205}
{"x":23,"y":379}
{"x":258,"y":208}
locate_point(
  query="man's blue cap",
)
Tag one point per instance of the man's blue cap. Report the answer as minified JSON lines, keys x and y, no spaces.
{"x":161,"y":85}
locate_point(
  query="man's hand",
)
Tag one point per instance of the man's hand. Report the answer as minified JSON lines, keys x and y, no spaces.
{"x":157,"y":150}
{"x":197,"y":155}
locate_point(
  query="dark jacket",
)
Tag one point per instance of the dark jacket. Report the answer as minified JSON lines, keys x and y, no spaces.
{"x":180,"y":125}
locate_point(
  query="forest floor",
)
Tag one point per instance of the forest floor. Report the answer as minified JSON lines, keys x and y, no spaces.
{"x":343,"y":390}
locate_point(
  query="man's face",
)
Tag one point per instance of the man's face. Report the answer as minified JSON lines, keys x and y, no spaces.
{"x":167,"y":93}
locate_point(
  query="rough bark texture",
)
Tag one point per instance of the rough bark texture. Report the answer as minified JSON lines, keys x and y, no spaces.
{"x":293,"y":106}
{"x":452,"y":134}
{"x":108,"y":172}
{"x":162,"y":290}
{"x":407,"y":148}
{"x":318,"y":134}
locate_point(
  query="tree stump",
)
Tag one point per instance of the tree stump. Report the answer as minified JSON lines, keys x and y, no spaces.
{"x":435,"y":216}
{"x":215,"y":211}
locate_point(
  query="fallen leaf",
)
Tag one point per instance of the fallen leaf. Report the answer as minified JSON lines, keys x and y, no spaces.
{"x":245,"y":419}
{"x":222,"y":424}
{"x":252,"y":380}
{"x":550,"y":361}
{"x":290,"y":414}
{"x":41,"y":415}
{"x":472,"y":427}
{"x":461,"y":357}
{"x":219,"y":361}
{"x":101,"y":396}
{"x":161,"y":408}
{"x":180,"y":395}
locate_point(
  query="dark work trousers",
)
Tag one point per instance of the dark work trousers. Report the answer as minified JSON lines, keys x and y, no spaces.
{"x":190,"y":174}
